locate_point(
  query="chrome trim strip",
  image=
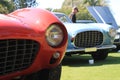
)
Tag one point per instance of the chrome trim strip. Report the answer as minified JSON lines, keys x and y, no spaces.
{"x":98,"y":48}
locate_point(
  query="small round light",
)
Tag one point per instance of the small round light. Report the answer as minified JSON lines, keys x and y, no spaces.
{"x":56,"y":55}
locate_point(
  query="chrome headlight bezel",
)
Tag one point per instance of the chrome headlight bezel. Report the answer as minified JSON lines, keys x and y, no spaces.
{"x":112,"y":32}
{"x":54,"y":35}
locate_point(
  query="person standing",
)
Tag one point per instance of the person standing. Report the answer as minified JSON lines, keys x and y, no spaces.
{"x":72,"y":15}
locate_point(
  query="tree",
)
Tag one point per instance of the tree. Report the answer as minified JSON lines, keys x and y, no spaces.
{"x":24,"y":3}
{"x":67,"y":7}
{"x":95,"y":2}
{"x":81,"y":4}
{"x":6,"y":6}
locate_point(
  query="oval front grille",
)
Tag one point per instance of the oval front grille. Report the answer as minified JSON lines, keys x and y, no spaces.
{"x":16,"y":54}
{"x":88,"y":39}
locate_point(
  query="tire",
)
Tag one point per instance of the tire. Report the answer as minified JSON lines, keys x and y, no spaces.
{"x":47,"y":74}
{"x":100,"y":55}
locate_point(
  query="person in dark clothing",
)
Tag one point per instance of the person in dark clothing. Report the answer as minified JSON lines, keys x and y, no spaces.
{"x":73,"y":14}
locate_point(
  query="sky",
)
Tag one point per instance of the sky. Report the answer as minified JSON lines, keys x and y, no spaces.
{"x":115,"y":10}
{"x":56,"y":4}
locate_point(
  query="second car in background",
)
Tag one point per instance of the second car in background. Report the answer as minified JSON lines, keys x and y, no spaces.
{"x":92,"y":38}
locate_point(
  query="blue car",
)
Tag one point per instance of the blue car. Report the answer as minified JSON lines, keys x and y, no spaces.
{"x":95,"y":39}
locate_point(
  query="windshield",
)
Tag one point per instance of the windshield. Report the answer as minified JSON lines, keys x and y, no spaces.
{"x":63,"y":18}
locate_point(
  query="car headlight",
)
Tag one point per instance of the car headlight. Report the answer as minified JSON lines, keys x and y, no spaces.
{"x":54,"y":35}
{"x":112,"y":32}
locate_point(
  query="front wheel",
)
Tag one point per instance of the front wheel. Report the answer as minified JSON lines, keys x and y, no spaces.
{"x":47,"y":74}
{"x":100,"y":55}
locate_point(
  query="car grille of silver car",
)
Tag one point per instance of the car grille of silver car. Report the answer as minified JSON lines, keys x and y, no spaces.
{"x":16,"y":54}
{"x":88,"y":39}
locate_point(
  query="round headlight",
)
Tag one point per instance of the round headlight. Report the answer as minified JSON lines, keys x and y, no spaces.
{"x":112,"y":32}
{"x":54,"y":35}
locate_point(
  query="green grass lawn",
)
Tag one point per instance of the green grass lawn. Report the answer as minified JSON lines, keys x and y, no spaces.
{"x":78,"y":68}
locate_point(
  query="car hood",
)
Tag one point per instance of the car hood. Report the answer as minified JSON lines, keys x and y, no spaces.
{"x":74,"y":28}
{"x":102,"y":15}
{"x":20,"y":23}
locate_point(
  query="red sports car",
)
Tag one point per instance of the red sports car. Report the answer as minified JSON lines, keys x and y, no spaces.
{"x":32,"y":44}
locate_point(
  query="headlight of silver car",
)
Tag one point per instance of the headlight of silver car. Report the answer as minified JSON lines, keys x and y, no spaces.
{"x":112,"y":32}
{"x":54,"y":35}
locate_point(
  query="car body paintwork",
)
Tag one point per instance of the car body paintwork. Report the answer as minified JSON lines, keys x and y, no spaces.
{"x":32,"y":23}
{"x":102,"y":14}
{"x":75,"y":28}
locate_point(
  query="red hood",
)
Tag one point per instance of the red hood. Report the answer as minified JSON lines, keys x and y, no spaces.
{"x":26,"y":21}
{"x":35,"y":18}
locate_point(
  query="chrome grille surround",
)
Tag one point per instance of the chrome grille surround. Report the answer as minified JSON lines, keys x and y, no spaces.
{"x":88,"y":39}
{"x":16,"y":54}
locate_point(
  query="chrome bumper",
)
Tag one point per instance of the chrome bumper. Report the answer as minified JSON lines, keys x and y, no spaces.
{"x":91,"y":49}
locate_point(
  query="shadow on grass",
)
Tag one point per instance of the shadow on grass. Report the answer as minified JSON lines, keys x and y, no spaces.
{"x":83,"y":60}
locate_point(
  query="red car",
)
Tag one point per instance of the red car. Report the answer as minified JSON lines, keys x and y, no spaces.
{"x":32,"y":45}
